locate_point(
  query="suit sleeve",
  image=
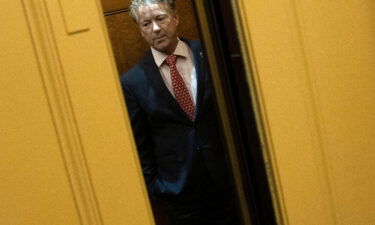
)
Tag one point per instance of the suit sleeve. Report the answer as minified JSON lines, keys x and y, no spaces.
{"x":143,"y":139}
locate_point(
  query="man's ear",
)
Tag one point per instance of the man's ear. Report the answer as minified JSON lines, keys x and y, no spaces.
{"x":176,"y":17}
{"x":141,"y":31}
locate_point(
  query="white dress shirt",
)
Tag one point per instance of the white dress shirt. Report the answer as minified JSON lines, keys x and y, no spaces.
{"x":185,"y":67}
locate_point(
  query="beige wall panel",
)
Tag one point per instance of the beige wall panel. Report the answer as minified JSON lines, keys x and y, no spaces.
{"x":341,"y":52}
{"x":104,"y":130}
{"x":314,"y":75}
{"x":67,"y":149}
{"x":74,"y":15}
{"x":34,"y":187}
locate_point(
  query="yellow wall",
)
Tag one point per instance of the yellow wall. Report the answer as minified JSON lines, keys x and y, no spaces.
{"x":314,"y":76}
{"x":67,"y":155}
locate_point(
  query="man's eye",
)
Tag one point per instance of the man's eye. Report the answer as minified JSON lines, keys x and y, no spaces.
{"x":161,"y":18}
{"x":145,"y":24}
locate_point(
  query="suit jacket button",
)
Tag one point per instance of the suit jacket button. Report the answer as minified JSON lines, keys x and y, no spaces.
{"x":198,"y":148}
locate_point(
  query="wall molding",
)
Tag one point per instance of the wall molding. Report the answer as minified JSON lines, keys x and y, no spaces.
{"x":73,"y":16}
{"x":59,"y":100}
{"x":314,"y":102}
{"x":117,"y":11}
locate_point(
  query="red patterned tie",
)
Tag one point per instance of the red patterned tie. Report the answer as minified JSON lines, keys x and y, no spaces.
{"x":180,"y":91}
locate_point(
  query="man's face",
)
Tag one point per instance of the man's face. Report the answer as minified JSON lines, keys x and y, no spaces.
{"x":158,"y":26}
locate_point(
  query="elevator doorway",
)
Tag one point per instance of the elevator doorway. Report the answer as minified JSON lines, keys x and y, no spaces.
{"x":216,"y":29}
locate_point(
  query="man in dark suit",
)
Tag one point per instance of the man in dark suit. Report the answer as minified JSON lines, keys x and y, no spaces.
{"x":169,"y":98}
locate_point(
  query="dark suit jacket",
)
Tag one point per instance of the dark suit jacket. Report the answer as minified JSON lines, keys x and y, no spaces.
{"x":177,"y":155}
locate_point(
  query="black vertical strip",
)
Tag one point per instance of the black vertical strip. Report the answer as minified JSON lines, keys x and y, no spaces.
{"x":237,"y":96}
{"x":117,"y":11}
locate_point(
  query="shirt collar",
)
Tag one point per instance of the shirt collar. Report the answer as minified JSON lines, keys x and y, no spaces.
{"x":181,"y":50}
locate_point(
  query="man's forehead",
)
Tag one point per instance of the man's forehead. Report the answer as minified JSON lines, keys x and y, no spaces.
{"x":153,"y":8}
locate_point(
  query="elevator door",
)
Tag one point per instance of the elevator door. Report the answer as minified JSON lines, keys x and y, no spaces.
{"x":67,"y":155}
{"x":313,"y":71}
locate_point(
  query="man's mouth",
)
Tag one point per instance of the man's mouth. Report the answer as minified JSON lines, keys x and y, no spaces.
{"x":159,"y":38}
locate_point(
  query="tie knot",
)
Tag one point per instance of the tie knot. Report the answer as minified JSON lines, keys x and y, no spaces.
{"x":171,"y":60}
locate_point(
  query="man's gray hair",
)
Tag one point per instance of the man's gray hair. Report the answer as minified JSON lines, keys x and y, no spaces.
{"x":137,"y":3}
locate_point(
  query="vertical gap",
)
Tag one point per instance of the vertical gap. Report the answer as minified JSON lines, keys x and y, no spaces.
{"x":237,"y":95}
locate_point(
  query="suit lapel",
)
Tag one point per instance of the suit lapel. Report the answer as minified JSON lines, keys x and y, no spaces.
{"x":199,"y":67}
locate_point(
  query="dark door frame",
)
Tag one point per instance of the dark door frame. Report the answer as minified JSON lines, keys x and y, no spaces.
{"x":222,"y":47}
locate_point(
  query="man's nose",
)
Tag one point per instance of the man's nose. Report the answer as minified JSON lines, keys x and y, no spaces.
{"x":155,"y":26}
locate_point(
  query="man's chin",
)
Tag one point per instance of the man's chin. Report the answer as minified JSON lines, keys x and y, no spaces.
{"x":162,"y":47}
{"x":161,"y":42}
